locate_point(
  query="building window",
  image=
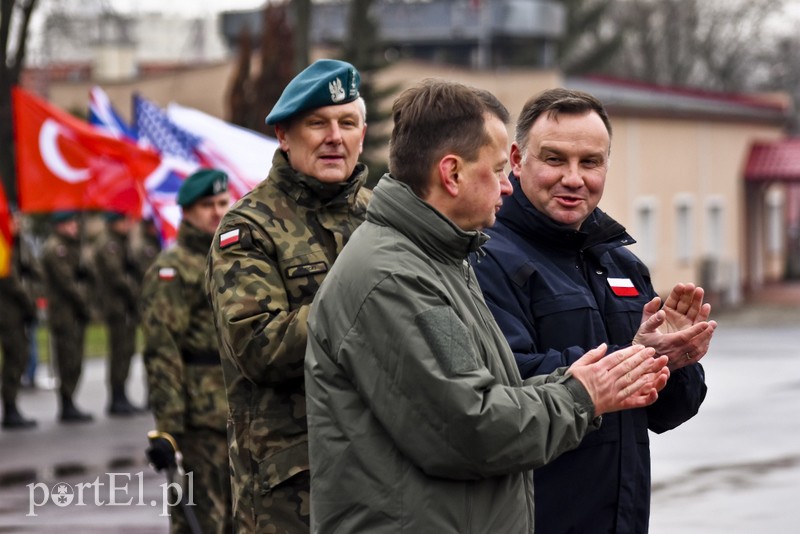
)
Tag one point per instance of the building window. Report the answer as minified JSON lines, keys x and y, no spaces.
{"x":775,"y":220}
{"x":715,"y":228}
{"x":684,"y":243}
{"x":646,"y":229}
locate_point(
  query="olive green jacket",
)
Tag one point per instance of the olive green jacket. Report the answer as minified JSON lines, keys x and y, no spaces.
{"x":418,"y":418}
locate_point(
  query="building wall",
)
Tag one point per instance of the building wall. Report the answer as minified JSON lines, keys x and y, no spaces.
{"x":666,"y":166}
{"x":670,"y":165}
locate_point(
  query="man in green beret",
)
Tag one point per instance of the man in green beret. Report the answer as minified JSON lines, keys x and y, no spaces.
{"x":186,"y":387}
{"x":118,"y":290}
{"x":66,"y":275}
{"x":268,"y":258}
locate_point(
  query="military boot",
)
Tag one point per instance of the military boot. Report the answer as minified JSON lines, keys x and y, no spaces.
{"x":13,"y":420}
{"x":71,"y":414}
{"x":120,"y":405}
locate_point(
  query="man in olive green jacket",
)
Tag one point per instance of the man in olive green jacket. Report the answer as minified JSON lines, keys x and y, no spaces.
{"x":418,"y":418}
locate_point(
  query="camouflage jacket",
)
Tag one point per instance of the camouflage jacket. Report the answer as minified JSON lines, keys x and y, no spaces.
{"x":16,"y":301}
{"x":180,"y":342}
{"x":117,"y":284}
{"x":65,"y":280}
{"x":268,"y":259}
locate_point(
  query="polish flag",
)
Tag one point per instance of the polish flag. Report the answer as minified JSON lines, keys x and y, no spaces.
{"x":623,"y":287}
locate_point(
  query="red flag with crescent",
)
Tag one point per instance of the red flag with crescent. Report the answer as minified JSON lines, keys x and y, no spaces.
{"x":64,"y":163}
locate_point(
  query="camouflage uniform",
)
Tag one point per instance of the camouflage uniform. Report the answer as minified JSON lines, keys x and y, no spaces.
{"x":187,"y":390}
{"x":68,"y":307}
{"x":18,"y":313}
{"x":269,"y":256}
{"x":119,"y":295}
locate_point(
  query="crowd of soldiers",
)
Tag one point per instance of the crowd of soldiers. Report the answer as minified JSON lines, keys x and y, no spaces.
{"x":58,"y":282}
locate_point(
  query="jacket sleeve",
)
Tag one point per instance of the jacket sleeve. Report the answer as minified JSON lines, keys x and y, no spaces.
{"x":165,"y":317}
{"x":514,"y":317}
{"x":257,"y":330}
{"x":113,"y":274}
{"x":62,"y":279}
{"x":422,"y":375}
{"x":679,"y":401}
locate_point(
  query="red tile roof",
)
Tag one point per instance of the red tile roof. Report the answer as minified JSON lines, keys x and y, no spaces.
{"x":774,"y":160}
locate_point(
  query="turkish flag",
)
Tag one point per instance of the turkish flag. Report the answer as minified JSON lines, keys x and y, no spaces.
{"x":64,"y":163}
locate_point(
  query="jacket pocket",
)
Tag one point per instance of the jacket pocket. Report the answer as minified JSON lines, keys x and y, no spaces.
{"x":282,"y":466}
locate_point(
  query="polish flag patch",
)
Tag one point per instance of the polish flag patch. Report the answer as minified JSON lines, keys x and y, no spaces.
{"x":166,"y":273}
{"x":229,"y":238}
{"x":623,"y":287}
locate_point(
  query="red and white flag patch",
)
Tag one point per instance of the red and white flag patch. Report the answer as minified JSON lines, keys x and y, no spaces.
{"x":229,"y":238}
{"x":166,"y":273}
{"x":623,"y":287}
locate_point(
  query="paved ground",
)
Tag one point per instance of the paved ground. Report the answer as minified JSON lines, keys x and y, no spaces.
{"x":733,"y":469}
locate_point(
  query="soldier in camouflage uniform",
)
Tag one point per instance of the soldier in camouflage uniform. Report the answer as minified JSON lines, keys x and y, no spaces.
{"x":68,"y":307}
{"x":18,"y":314}
{"x":119,"y":290}
{"x":187,"y":389}
{"x":268,"y":258}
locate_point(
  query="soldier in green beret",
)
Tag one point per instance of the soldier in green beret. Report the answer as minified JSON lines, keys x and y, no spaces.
{"x":66,"y":276}
{"x":118,"y":288}
{"x":186,"y":386}
{"x":269,"y":257}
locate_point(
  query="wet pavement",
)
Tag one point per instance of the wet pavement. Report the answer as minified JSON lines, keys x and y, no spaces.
{"x":733,"y":469}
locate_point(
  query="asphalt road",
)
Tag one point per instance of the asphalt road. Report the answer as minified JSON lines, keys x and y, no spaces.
{"x":733,"y":469}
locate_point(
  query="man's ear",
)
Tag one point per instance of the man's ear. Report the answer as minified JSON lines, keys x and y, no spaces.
{"x":280,"y":133}
{"x":449,"y":167}
{"x":515,"y":158}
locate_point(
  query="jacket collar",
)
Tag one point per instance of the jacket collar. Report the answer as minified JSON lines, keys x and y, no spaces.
{"x":518,"y":214}
{"x":192,"y":238}
{"x":308,"y":191}
{"x":394,"y":204}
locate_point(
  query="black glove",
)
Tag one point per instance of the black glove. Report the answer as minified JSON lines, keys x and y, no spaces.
{"x":161,"y":451}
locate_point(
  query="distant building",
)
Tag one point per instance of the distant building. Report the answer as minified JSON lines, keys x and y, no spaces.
{"x":457,"y":32}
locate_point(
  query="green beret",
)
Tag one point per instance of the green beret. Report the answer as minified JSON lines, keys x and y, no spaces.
{"x":63,"y":216}
{"x":203,"y":183}
{"x":111,"y":216}
{"x":326,"y":82}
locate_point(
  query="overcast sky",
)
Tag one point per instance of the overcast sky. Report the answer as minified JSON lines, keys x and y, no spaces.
{"x":184,"y":6}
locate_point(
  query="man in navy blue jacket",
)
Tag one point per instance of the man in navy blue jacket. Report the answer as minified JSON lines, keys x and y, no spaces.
{"x":560,"y":281}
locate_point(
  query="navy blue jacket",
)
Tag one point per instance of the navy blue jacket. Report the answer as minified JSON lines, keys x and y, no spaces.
{"x":548,"y":288}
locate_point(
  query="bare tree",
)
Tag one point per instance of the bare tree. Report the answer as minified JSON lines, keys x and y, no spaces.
{"x":15,"y":16}
{"x":589,"y":42}
{"x":715,"y":44}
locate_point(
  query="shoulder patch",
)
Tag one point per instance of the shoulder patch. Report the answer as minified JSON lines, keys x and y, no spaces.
{"x":166,"y":273}
{"x":229,"y":238}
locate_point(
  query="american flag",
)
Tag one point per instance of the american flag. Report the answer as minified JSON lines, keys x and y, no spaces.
{"x":156,"y":129}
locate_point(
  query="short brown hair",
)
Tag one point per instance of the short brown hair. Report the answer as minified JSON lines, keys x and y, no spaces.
{"x":434,"y":118}
{"x":553,"y":102}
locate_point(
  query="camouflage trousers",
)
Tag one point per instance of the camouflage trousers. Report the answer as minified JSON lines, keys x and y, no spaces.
{"x":15,"y":344}
{"x":121,"y":347}
{"x":205,"y":455}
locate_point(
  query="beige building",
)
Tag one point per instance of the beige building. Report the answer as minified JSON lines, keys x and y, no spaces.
{"x":676,"y":180}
